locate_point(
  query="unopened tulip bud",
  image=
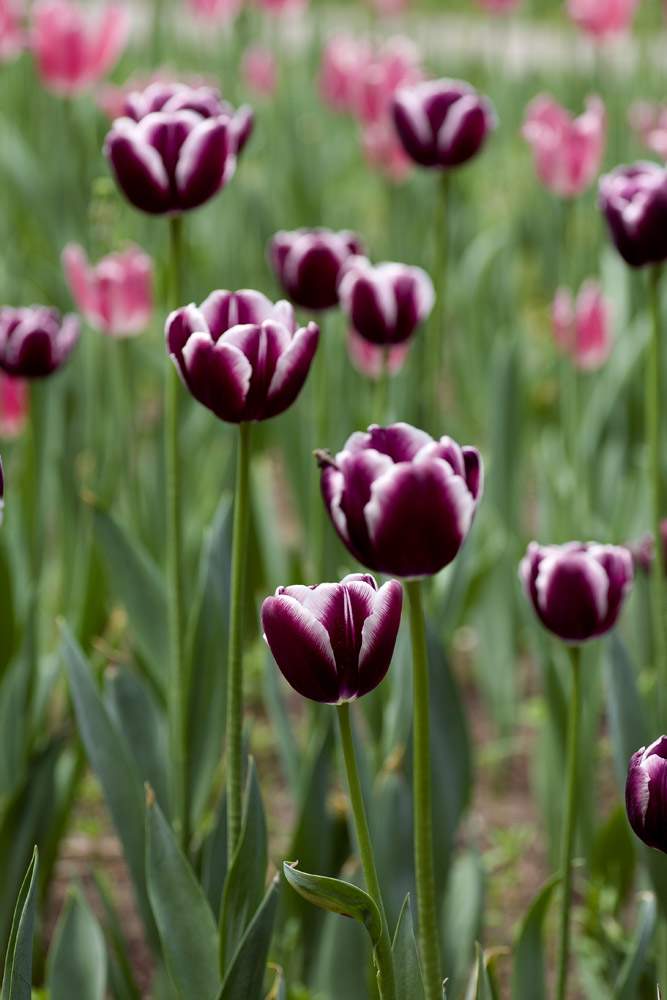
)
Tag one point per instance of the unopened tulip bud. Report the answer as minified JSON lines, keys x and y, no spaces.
{"x":308,"y":264}
{"x":385,"y":303}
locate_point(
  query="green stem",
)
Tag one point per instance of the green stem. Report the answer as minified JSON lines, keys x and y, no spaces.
{"x":569,"y":823}
{"x":423,"y":819}
{"x":321,"y":424}
{"x":178,"y":679}
{"x":235,"y":657}
{"x":381,"y":394}
{"x":383,"y":956}
{"x":434,"y":353}
{"x":653,"y":427}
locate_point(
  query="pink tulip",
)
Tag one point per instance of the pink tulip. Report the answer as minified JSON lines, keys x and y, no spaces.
{"x":384,"y":152}
{"x":499,"y":6}
{"x":13,"y":406}
{"x":343,"y":61}
{"x":222,"y":11}
{"x":602,"y":18}
{"x":567,"y":151}
{"x":114,"y":296}
{"x":12,"y":36}
{"x":649,"y":122}
{"x":259,"y":70}
{"x":394,"y":65}
{"x":281,"y":7}
{"x":368,"y":358}
{"x":72,"y":51}
{"x":583,"y":329}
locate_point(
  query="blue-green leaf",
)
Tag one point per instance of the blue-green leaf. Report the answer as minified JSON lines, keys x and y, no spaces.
{"x":77,"y":960}
{"x":627,"y":982}
{"x":245,"y":976}
{"x":528,"y":973}
{"x":337,"y":896}
{"x":17,"y":979}
{"x":409,"y":979}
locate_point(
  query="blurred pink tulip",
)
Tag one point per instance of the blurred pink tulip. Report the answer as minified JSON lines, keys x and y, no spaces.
{"x":114,"y":296}
{"x":343,"y":61}
{"x":583,"y":329}
{"x":384,"y":152}
{"x":389,"y":7}
{"x":259,"y":70}
{"x":12,"y":36}
{"x":602,"y":18}
{"x":72,"y":51}
{"x":13,"y":406}
{"x":649,"y":123}
{"x":567,"y":151}
{"x":282,"y":7}
{"x":500,"y":6}
{"x":222,"y":11}
{"x":368,"y":359}
{"x":394,"y":65}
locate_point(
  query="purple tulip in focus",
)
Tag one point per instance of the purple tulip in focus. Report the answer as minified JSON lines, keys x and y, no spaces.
{"x":241,"y":355}
{"x":401,"y":502}
{"x":634,"y":202}
{"x":308,"y":262}
{"x":577,"y":590}
{"x":333,"y":642}
{"x":386,"y":303}
{"x":442,"y":123}
{"x":115,"y":295}
{"x":35,"y":341}
{"x":646,"y":794}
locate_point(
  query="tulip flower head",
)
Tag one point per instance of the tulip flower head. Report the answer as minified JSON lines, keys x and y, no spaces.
{"x":646,"y":794}
{"x":577,"y":590}
{"x":12,"y":36}
{"x":583,"y":329}
{"x":385,"y":304}
{"x":333,"y":642}
{"x":240,"y":355}
{"x":344,"y":58}
{"x":633,"y":200}
{"x":34,"y":342}
{"x":442,"y":123}
{"x":649,"y":123}
{"x":220,"y":11}
{"x":73,"y":51}
{"x":401,"y":502}
{"x":115,"y":295}
{"x":13,"y":406}
{"x":308,"y":262}
{"x":602,"y":19}
{"x":259,"y":70}
{"x":567,"y":151}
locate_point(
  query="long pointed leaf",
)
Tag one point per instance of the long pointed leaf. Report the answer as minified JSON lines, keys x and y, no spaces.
{"x":409,"y":978}
{"x":77,"y":962}
{"x":528,"y":973}
{"x":245,"y":975}
{"x":17,"y":979}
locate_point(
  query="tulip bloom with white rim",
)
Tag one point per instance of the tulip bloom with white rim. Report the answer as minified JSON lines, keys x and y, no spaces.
{"x":401,"y":502}
{"x":115,"y":295}
{"x":633,"y":200}
{"x":384,"y":303}
{"x":582,"y":328}
{"x":646,"y":794}
{"x":602,"y":19}
{"x":567,"y":151}
{"x":577,"y":589}
{"x":35,"y":341}
{"x":333,"y":642}
{"x":240,"y":355}
{"x":74,"y":50}
{"x":308,"y":263}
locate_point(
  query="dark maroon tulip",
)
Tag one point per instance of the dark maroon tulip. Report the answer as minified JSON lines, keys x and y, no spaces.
{"x":577,"y":589}
{"x":386,"y":303}
{"x":401,"y":502}
{"x":35,"y":341}
{"x":334,"y":642}
{"x":646,"y":794}
{"x":308,"y":262}
{"x":442,"y":123}
{"x":241,"y":355}
{"x":634,"y":202}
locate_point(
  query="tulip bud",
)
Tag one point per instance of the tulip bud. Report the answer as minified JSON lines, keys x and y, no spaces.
{"x":634,"y":202}
{"x":442,"y":123}
{"x":577,"y":590}
{"x":114,"y":296}
{"x":646,"y":794}
{"x":35,"y":342}
{"x":386,"y":303}
{"x":241,"y":355}
{"x":567,"y":151}
{"x":333,"y":642}
{"x":401,"y":502}
{"x":308,"y":263}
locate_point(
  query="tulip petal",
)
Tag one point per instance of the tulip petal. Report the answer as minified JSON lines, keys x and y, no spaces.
{"x":202,"y":162}
{"x":301,"y":647}
{"x":218,"y":375}
{"x":139,"y":171}
{"x":378,"y":635}
{"x":291,"y":370}
{"x":572,"y":595}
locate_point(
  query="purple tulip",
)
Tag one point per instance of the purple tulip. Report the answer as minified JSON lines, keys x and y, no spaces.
{"x":386,"y":303}
{"x":176,"y":147}
{"x":442,"y":123}
{"x":241,"y":355}
{"x":634,"y":202}
{"x":577,"y":589}
{"x":35,"y":341}
{"x":401,"y":502}
{"x":308,"y":262}
{"x":646,"y":794}
{"x":334,"y":642}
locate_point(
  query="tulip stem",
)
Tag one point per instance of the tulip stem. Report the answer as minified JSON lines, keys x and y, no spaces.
{"x":434,"y":347}
{"x":653,"y":426}
{"x":177,"y":701}
{"x":423,"y":819}
{"x":321,"y":403}
{"x":235,"y":654}
{"x":569,"y":823}
{"x":383,"y":955}
{"x":381,"y":401}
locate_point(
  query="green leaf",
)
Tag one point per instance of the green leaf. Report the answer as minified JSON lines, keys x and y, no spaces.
{"x":528,"y":973}
{"x":246,"y":879}
{"x":245,"y":976}
{"x":137,"y":581}
{"x":111,"y":761}
{"x":77,"y":960}
{"x":184,"y":919}
{"x":337,"y":896}
{"x":462,"y":917}
{"x":631,"y":970}
{"x":480,"y":987}
{"x":17,"y":979}
{"x":7,"y":621}
{"x":409,"y":979}
{"x":214,"y":859}
{"x":121,"y":976}
{"x":626,"y":712}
